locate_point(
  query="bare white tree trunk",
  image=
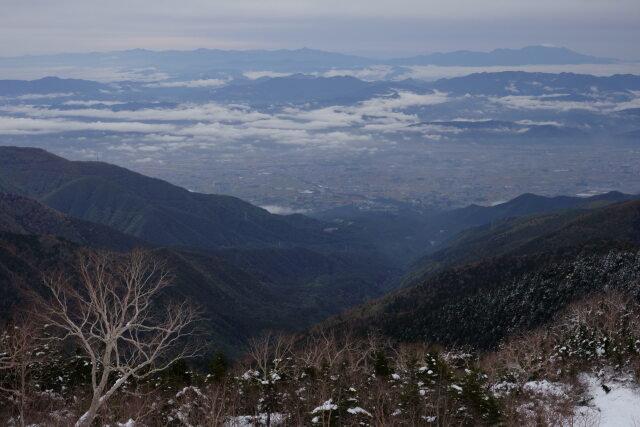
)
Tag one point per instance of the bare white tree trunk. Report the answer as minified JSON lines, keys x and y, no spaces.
{"x":113,"y":316}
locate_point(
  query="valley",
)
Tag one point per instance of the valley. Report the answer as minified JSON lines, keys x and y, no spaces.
{"x":419,"y":173}
{"x":301,"y":237}
{"x":482,"y":138}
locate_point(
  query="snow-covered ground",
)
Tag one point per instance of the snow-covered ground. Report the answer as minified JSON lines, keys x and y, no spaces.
{"x":619,"y":407}
{"x":251,"y":421}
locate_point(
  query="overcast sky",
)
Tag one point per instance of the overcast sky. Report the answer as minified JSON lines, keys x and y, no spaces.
{"x":369,"y":27}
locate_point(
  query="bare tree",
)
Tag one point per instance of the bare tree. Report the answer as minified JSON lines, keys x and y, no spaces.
{"x":271,"y":353}
{"x":112,"y":313}
{"x":18,"y":344}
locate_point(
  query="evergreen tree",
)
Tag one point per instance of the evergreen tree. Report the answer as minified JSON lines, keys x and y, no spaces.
{"x":219,"y":365}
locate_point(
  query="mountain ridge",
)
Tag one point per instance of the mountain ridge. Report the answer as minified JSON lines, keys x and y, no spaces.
{"x":473,"y":301}
{"x":528,"y":55}
{"x":150,"y":208}
{"x":514,"y":229}
{"x":23,"y":215}
{"x":299,"y":60}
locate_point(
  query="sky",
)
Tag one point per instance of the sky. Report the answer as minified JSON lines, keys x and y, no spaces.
{"x":376,"y":28}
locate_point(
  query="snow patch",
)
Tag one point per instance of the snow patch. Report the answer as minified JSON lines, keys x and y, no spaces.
{"x":620,"y":406}
{"x":359,"y":410}
{"x":326,"y":406}
{"x":251,"y":421}
{"x":546,"y":388}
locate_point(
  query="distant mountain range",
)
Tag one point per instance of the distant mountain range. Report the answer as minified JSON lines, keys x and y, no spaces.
{"x":296,"y":88}
{"x":301,"y":60}
{"x":525,"y":83}
{"x":199,"y":60}
{"x":529,"y":55}
{"x":346,"y":89}
{"x":50,"y":85}
{"x":300,"y":88}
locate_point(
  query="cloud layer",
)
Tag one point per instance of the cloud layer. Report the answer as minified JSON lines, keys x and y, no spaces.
{"x":216,"y":123}
{"x":372,"y":124}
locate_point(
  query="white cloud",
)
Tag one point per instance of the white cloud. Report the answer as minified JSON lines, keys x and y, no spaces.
{"x":282,"y":210}
{"x":28,"y":126}
{"x":523,"y":102}
{"x":376,"y":72}
{"x":323,"y":118}
{"x":91,"y":103}
{"x":191,"y":83}
{"x":212,"y":124}
{"x":538,"y":123}
{"x":191,"y":112}
{"x":383,"y":109}
{"x":399,"y":101}
{"x":254,"y":75}
{"x":36,"y":96}
{"x":433,"y":128}
{"x":633,"y":103}
{"x":163,"y":138}
{"x":144,"y":160}
{"x":98,"y":74}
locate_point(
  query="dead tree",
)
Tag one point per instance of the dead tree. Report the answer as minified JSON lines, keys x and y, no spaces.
{"x":271,"y":353}
{"x":18,"y":344}
{"x":110,"y":309}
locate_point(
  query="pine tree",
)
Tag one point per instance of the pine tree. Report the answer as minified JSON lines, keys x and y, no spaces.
{"x":219,"y":365}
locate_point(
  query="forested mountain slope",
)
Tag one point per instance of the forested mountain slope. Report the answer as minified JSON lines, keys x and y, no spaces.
{"x":149,"y":208}
{"x":407,"y":231}
{"x":248,"y":269}
{"x":23,"y":215}
{"x":568,"y":221}
{"x":235,"y":303}
{"x":482,"y":302}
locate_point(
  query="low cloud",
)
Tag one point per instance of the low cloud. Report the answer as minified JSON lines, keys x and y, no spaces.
{"x":282,"y":210}
{"x":184,"y":112}
{"x":254,"y":75}
{"x":539,"y":123}
{"x":374,"y":73}
{"x":523,"y":102}
{"x":99,"y":74}
{"x":28,"y":126}
{"x":217,"y":123}
{"x":91,"y":103}
{"x":190,"y":83}
{"x":36,"y":96}
{"x":633,"y":103}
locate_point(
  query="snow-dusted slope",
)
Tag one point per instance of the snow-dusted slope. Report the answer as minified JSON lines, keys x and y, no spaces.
{"x":614,"y":402}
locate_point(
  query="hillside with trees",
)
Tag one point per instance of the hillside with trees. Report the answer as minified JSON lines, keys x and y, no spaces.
{"x":152,"y":209}
{"x":519,"y":321}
